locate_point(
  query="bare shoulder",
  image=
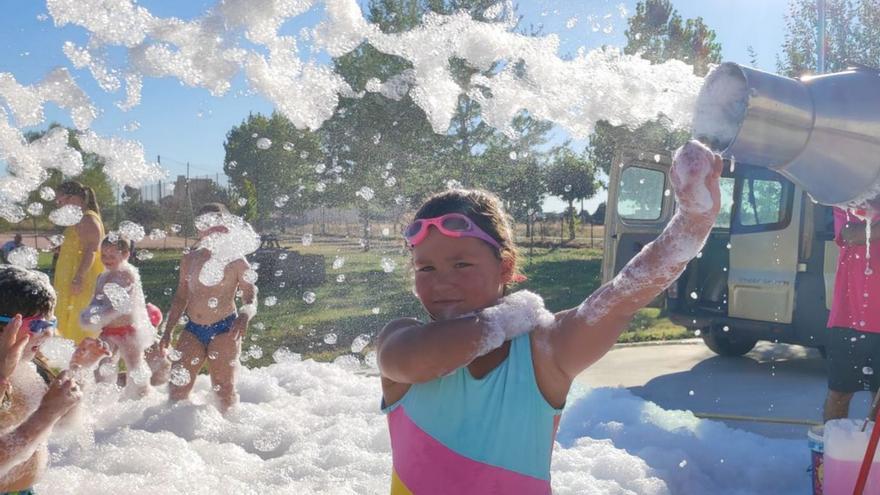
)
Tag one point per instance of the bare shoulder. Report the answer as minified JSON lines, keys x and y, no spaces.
{"x":240,"y":266}
{"x":89,"y":224}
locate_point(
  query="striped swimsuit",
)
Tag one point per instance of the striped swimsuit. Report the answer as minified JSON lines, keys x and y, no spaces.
{"x":465,"y":436}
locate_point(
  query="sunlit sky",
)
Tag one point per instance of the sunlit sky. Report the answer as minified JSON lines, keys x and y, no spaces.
{"x":183,"y":124}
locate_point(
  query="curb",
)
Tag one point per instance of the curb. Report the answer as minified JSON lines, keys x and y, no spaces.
{"x":696,"y":341}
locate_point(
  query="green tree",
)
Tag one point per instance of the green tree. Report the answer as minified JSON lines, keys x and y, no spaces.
{"x":658,"y":33}
{"x":852,"y":35}
{"x":572,"y":178}
{"x":276,"y":158}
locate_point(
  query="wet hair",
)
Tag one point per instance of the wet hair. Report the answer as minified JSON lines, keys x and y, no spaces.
{"x":118,"y":242}
{"x":485,"y":210}
{"x":25,"y":292}
{"x":213,"y":208}
{"x":86,"y":193}
{"x":17,"y":236}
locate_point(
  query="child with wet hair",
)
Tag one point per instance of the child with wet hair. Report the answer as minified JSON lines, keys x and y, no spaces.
{"x":117,"y":313}
{"x":33,"y":400}
{"x":474,"y":396}
{"x":212,"y":274}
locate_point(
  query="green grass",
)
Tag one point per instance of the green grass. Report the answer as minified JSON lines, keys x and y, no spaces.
{"x":563,"y":276}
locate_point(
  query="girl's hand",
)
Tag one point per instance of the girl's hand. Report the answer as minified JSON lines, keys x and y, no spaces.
{"x":76,"y":285}
{"x":12,"y":346}
{"x":89,"y":352}
{"x":239,"y":327}
{"x":63,"y":394}
{"x":695,"y":175}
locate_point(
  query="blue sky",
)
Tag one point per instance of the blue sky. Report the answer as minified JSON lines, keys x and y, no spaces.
{"x":183,"y":124}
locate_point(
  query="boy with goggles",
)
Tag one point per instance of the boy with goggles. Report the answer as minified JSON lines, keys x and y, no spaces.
{"x":26,"y":419}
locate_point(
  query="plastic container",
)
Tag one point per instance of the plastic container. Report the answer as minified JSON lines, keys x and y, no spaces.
{"x":845,"y":446}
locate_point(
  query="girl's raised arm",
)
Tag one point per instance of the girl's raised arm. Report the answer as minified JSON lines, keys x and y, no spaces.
{"x":584,"y":334}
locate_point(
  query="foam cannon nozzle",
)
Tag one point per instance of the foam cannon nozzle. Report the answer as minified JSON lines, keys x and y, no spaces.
{"x":821,"y":132}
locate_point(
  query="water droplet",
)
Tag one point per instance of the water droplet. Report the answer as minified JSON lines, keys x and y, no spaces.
{"x":66,"y":216}
{"x":340,"y":278}
{"x":309,"y":297}
{"x":320,"y":168}
{"x":697,"y":332}
{"x":359,"y":343}
{"x":264,"y":143}
{"x":288,"y":146}
{"x":657,"y":158}
{"x":338,"y":262}
{"x":213,"y":355}
{"x":144,"y":255}
{"x":691,"y":393}
{"x":47,"y":193}
{"x":320,"y":187}
{"x":282,"y":200}
{"x":307,"y":239}
{"x":180,"y":376}
{"x":366,"y":193}
{"x":684,"y":462}
{"x":285,"y":355}
{"x":35,"y":209}
{"x":376,"y":311}
{"x":270,"y":301}
{"x":174,"y":355}
{"x":212,"y":302}
{"x":867,"y":370}
{"x":388,"y":265}
{"x":567,"y":188}
{"x":242,"y":201}
{"x":725,"y":328}
{"x":694,"y":295}
{"x":330,"y":339}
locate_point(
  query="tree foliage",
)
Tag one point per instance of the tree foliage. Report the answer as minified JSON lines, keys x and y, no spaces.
{"x":282,"y":166}
{"x":658,"y":33}
{"x":852,"y":35}
{"x":572,"y":178}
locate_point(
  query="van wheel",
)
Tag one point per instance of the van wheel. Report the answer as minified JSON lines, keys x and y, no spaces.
{"x":725,"y":344}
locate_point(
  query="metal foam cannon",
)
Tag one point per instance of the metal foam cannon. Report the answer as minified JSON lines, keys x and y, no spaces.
{"x":821,"y":132}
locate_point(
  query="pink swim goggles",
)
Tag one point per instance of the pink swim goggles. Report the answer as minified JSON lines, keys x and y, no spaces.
{"x":450,"y":225}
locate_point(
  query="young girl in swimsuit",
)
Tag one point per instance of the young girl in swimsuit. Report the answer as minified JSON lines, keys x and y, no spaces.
{"x":119,"y":312}
{"x":214,"y":329}
{"x":473,"y":397}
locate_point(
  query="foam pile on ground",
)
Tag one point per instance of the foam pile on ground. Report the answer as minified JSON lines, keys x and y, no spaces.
{"x":307,"y":427}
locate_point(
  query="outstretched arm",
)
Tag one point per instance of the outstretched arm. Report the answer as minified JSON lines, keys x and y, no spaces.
{"x":584,"y":334}
{"x":248,"y":296}
{"x":20,"y":444}
{"x":412,"y":352}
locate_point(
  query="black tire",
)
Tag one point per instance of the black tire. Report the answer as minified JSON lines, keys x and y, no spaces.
{"x":727,"y":343}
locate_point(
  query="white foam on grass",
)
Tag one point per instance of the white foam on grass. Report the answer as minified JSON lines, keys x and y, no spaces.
{"x":328,"y":436}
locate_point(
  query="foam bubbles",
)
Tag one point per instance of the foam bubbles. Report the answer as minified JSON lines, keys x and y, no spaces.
{"x":23,"y":256}
{"x":66,"y":216}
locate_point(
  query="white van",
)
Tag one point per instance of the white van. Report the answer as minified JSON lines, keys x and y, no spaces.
{"x":767,"y":270}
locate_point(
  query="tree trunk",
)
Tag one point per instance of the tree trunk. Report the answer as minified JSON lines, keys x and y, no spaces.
{"x":366,"y":220}
{"x":571,"y":220}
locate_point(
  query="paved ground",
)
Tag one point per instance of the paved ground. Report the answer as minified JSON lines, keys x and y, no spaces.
{"x":772,"y":381}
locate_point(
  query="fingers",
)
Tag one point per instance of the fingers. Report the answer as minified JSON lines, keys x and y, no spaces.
{"x":10,"y":332}
{"x":18,"y":348}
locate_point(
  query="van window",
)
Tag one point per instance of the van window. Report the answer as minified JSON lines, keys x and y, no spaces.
{"x":761,"y":202}
{"x":722,"y":221}
{"x":641,"y":194}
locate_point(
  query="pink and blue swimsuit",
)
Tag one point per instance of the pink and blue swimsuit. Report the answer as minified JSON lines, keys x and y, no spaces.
{"x":463,"y":436}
